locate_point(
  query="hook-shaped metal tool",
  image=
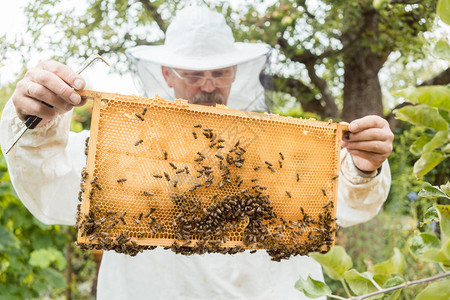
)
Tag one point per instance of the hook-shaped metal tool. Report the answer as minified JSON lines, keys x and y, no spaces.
{"x":32,"y":121}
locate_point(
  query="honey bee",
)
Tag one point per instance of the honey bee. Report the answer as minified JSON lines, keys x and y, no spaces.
{"x":271,"y":169}
{"x":289,"y":194}
{"x":194,"y":134}
{"x":172,"y":165}
{"x":121,"y":180}
{"x":298,"y":177}
{"x":324,"y":192}
{"x":198,"y":126}
{"x":148,"y":193}
{"x":144,"y":111}
{"x":281,"y":164}
{"x":257,"y":168}
{"x":268,"y":163}
{"x":175,"y":182}
{"x":139,"y":117}
{"x":238,"y":176}
{"x":179,"y":171}
{"x":335,"y":176}
{"x":139,"y":142}
{"x":219,"y":156}
{"x":167,"y":176}
{"x":142,"y":234}
{"x":187,"y":170}
{"x":220,"y":146}
{"x":157,"y":176}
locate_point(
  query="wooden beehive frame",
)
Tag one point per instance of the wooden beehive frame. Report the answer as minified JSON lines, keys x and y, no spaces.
{"x":287,"y":168}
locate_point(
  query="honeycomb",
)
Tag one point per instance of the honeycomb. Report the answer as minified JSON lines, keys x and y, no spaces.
{"x":198,"y":179}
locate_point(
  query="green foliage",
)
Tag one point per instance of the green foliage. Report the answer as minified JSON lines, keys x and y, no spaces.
{"x":312,"y":288}
{"x":24,"y":273}
{"x":443,"y":10}
{"x":335,"y":262}
{"x":432,"y":112}
{"x":435,"y":291}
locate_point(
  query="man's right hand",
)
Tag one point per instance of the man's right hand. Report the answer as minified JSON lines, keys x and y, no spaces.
{"x":49,"y":82}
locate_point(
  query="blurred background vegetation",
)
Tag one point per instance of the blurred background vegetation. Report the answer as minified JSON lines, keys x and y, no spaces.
{"x":332,"y":59}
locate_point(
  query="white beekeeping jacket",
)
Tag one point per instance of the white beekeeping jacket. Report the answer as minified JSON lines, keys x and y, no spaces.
{"x":45,"y":169}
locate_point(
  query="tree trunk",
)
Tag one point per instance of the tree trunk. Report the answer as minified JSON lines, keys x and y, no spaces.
{"x":362,"y":90}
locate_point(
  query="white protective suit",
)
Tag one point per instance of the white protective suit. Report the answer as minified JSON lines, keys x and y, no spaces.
{"x":45,"y":169}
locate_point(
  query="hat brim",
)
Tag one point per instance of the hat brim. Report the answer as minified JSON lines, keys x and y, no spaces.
{"x":163,"y":56}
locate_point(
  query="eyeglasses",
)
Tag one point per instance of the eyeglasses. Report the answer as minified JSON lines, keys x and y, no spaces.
{"x":196,"y":80}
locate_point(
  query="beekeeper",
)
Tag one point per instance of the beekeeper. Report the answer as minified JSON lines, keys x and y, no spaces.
{"x":200,"y":62}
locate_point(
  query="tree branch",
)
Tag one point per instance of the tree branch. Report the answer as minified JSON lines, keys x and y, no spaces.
{"x":153,"y":11}
{"x":301,"y":92}
{"x":405,"y":2}
{"x":442,"y":78}
{"x":409,"y":283}
{"x":331,"y":109}
{"x":302,"y":3}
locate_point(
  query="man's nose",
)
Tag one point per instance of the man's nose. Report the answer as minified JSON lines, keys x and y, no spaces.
{"x":208,"y":86}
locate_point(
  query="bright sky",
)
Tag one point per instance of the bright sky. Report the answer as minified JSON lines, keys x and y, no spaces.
{"x":13,"y":22}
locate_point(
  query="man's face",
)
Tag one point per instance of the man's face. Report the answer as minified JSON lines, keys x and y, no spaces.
{"x":201,"y":87}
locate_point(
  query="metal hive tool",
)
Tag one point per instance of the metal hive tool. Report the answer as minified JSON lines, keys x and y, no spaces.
{"x":199,"y":179}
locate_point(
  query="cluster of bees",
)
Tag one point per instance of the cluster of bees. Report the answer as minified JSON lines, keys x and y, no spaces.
{"x":245,"y":215}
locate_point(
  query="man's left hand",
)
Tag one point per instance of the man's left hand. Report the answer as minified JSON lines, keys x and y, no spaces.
{"x":369,"y":142}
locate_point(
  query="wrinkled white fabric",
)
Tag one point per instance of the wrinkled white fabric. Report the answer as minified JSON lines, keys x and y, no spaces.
{"x":45,"y":169}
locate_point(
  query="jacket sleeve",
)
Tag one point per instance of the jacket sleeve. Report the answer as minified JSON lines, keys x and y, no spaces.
{"x":45,"y":166}
{"x":360,"y":197}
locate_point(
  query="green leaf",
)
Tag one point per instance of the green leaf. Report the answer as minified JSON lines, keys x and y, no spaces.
{"x":429,"y":191}
{"x":7,"y":239}
{"x":435,"y":291}
{"x":335,"y":262}
{"x":432,"y":95}
{"x":417,"y":147}
{"x":442,"y":50}
{"x":396,"y":264}
{"x":54,"y":278}
{"x":427,"y":162}
{"x":431,"y":215}
{"x":446,"y":249}
{"x":439,"y":139}
{"x":427,"y":247}
{"x":423,"y":115}
{"x":394,"y":281}
{"x":443,"y":10}
{"x":360,"y":283}
{"x":380,"y":4}
{"x":312,"y":288}
{"x":44,"y":257}
{"x":446,"y":148}
{"x":446,"y":188}
{"x":444,"y":217}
